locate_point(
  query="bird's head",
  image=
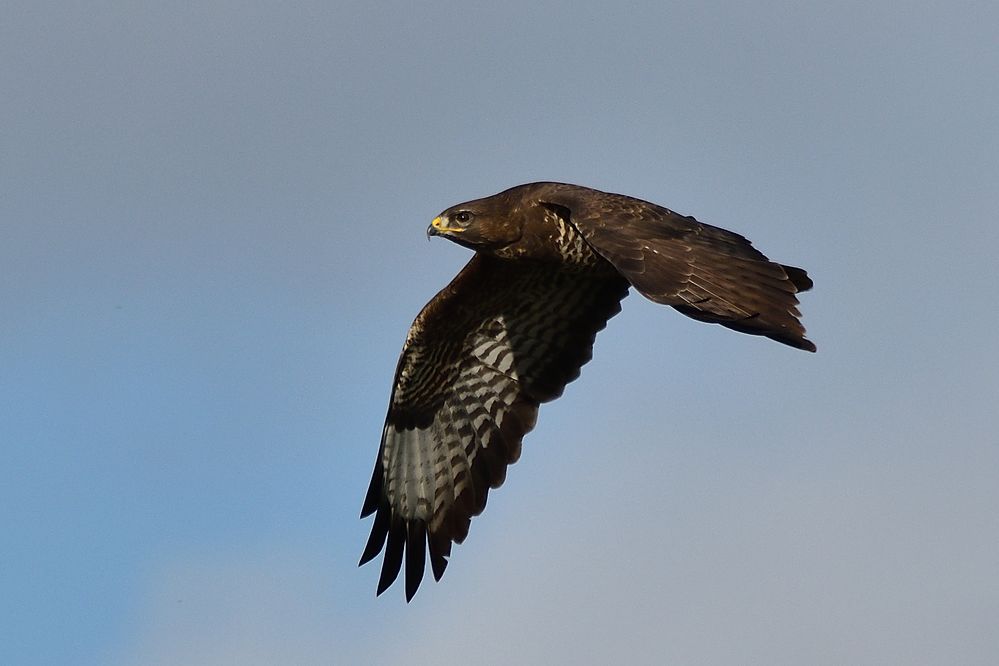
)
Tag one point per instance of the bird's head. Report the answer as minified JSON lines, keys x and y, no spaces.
{"x":485,"y":225}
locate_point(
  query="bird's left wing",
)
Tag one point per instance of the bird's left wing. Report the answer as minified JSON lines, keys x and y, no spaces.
{"x":503,"y":337}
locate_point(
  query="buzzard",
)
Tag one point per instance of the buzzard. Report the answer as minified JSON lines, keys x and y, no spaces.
{"x":552,"y":263}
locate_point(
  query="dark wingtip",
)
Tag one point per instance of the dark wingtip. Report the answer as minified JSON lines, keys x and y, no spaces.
{"x":439,"y":546}
{"x":796,"y":341}
{"x":416,"y":552}
{"x":372,"y":499}
{"x":798,"y":277}
{"x":392,"y":562}
{"x":379,"y":530}
{"x":438,"y":563}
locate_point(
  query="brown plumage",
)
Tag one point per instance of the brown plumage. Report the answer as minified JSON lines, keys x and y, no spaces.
{"x":552,"y":263}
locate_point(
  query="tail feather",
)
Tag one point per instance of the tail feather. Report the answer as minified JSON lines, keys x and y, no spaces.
{"x":739,"y":295}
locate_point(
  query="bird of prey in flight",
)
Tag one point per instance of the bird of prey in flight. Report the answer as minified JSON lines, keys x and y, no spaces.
{"x":552,"y":263}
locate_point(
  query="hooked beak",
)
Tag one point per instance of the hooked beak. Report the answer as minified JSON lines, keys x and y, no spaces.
{"x":437,"y":228}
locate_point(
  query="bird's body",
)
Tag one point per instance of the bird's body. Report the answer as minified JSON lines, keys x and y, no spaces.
{"x":552,"y":263}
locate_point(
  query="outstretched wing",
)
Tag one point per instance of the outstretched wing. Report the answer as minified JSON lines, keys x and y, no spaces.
{"x":500,"y":339}
{"x":703,"y":271}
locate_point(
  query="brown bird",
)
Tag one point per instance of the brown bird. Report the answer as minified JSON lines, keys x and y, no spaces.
{"x":552,"y":263}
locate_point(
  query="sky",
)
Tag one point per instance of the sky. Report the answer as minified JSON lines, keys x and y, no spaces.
{"x":212,"y":239}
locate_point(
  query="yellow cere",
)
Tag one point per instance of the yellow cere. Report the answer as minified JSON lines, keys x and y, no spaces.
{"x":438,"y":224}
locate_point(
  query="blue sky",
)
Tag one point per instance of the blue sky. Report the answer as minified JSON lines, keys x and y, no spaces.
{"x":212,"y":236}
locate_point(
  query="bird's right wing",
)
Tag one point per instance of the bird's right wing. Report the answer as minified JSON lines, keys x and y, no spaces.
{"x":705,"y":272}
{"x":500,"y":339}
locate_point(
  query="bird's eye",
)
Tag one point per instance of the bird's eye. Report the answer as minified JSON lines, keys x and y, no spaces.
{"x":462,"y":216}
